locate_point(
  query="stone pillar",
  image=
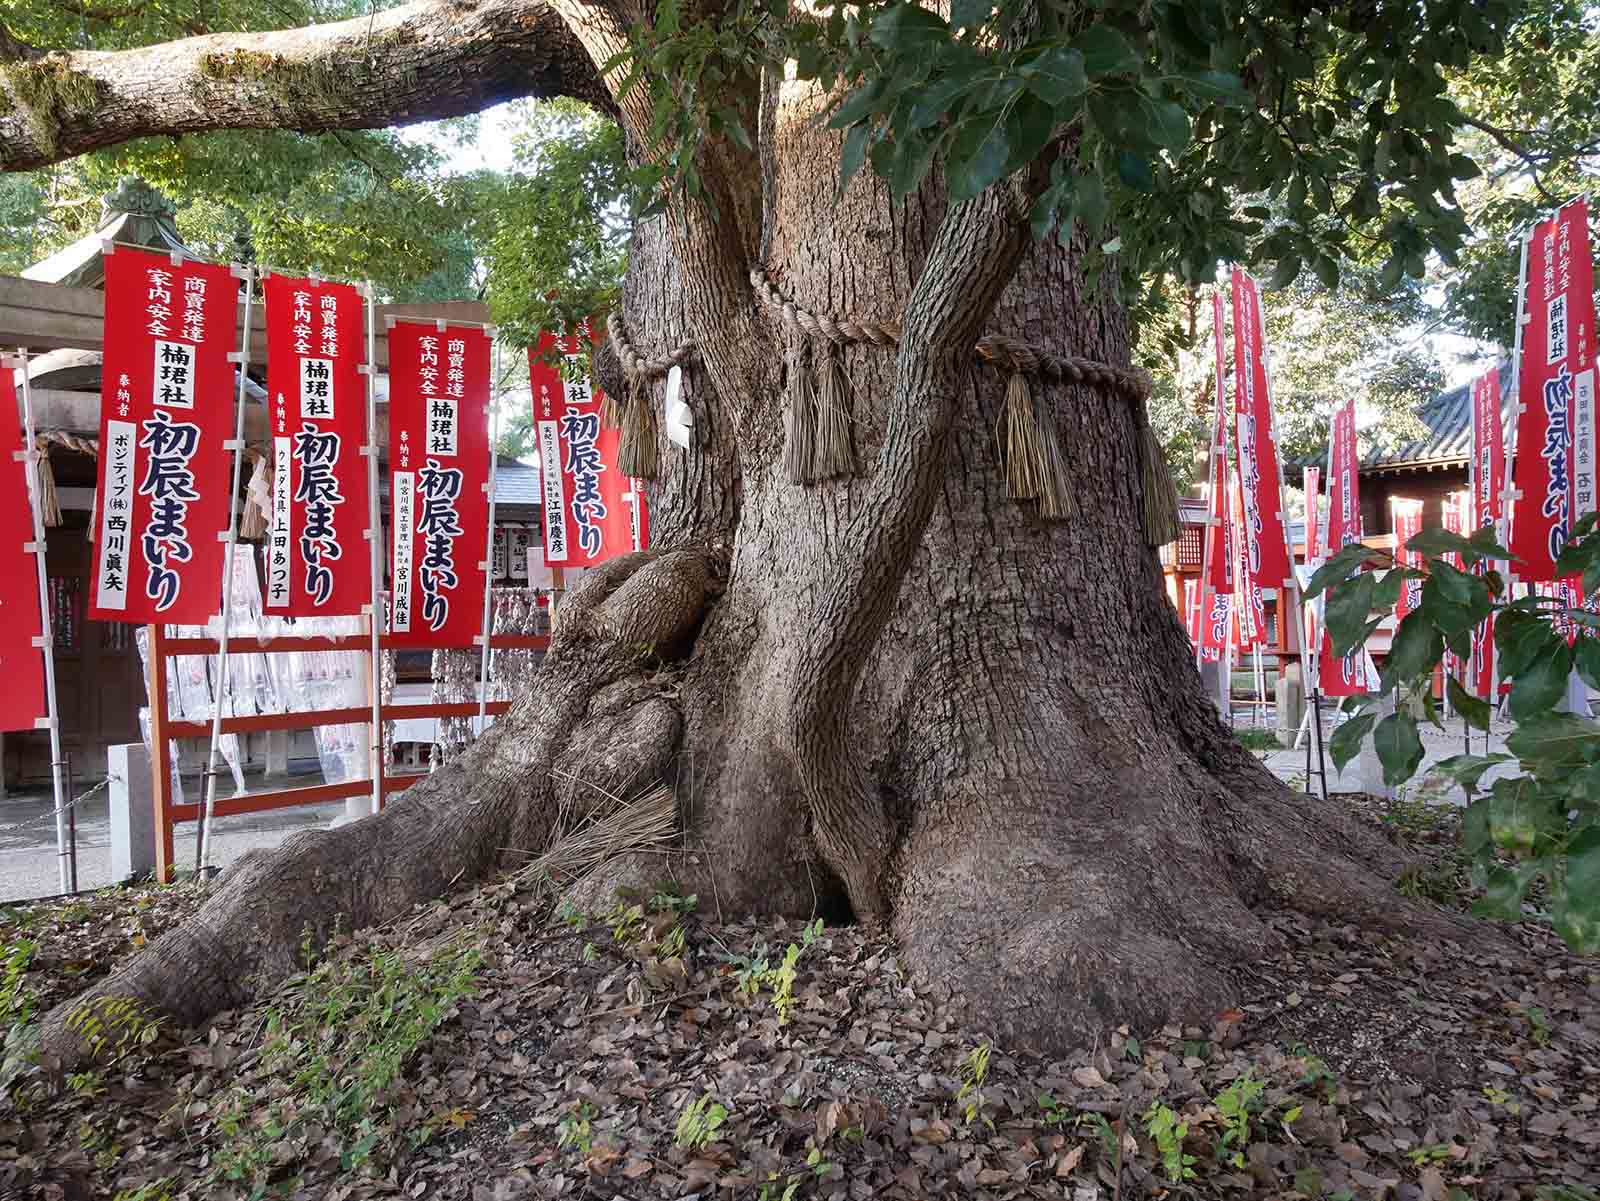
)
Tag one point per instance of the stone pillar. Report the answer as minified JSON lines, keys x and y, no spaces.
{"x":277,"y":752}
{"x":1291,"y":701}
{"x":1211,"y":682}
{"x":133,"y":811}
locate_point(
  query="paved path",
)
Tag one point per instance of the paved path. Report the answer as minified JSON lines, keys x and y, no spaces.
{"x":28,"y":857}
{"x":1290,"y":765}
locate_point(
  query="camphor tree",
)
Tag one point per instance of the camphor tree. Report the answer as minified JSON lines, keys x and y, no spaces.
{"x":878,"y":684}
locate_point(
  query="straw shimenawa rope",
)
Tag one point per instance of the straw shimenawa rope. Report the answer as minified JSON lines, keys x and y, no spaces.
{"x":637,"y":452}
{"x":1036,"y":465}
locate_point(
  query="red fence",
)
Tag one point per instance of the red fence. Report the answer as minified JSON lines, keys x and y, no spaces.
{"x":163,"y":728}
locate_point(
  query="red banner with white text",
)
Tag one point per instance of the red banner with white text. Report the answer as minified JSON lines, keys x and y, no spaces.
{"x":1554,"y":469}
{"x":592,"y":512}
{"x":1344,"y":496}
{"x":438,"y":470}
{"x":317,"y":410}
{"x":1313,"y":486}
{"x":1488,"y":498}
{"x":22,"y":700}
{"x":1266,"y":544}
{"x":1249,"y":607}
{"x":166,"y":408}
{"x":1406,"y":517}
{"x":1219,"y":533}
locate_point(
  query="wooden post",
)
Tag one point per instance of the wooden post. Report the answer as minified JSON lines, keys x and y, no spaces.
{"x":160,"y":753}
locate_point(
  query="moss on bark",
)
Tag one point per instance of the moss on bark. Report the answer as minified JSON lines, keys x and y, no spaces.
{"x":50,"y":93}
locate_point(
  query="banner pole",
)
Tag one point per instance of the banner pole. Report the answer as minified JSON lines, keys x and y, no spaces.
{"x":1290,"y":593}
{"x":375,"y":611}
{"x":488,"y":545}
{"x":46,"y":639}
{"x":202,"y":851}
{"x":1510,"y":496}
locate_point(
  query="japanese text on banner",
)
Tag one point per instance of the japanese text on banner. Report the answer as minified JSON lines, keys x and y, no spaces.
{"x":1555,"y":461}
{"x":439,"y":466}
{"x":592,"y":512}
{"x":1265,"y":534}
{"x":318,"y":415}
{"x":166,"y":409}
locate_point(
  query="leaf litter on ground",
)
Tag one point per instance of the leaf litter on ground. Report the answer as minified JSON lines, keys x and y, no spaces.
{"x":1357,"y":1065}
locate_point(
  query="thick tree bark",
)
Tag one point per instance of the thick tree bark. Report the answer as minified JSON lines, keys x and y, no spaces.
{"x":422,"y":61}
{"x":900,"y":695}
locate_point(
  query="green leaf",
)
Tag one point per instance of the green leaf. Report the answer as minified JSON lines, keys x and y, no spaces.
{"x":1521,"y":637}
{"x":1090,"y":203}
{"x":1215,"y":85}
{"x":1166,"y":124}
{"x":969,"y":14}
{"x":1338,"y":567}
{"x":1415,"y":651}
{"x":1483,"y":541}
{"x":1399,"y":747}
{"x":1284,"y":273}
{"x":1345,"y":744}
{"x":1105,"y":51}
{"x":1042,"y":217}
{"x":1057,"y":75}
{"x":1474,"y":710}
{"x":1455,"y":585}
{"x":909,"y":29}
{"x":1028,"y":127}
{"x":854,"y":152}
{"x":857,"y":105}
{"x":978,"y":154}
{"x":909,"y":162}
{"x":1347,"y":608}
{"x":1455,"y":621}
{"x":1327,"y":270}
{"x":1435,"y":541}
{"x":1577,"y":915}
{"x":1543,"y":684}
{"x":1468,"y":770}
{"x":1586,"y":659}
{"x":1552,"y":743}
{"x":1134,"y":170}
{"x":937,"y":99}
{"x":1505,"y":888}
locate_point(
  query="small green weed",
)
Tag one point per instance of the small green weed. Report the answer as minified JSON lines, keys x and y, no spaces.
{"x":1161,"y":1121}
{"x":755,"y":971}
{"x":1258,"y":740}
{"x":576,"y":1128}
{"x":1422,"y":1157}
{"x":1234,"y":1107}
{"x":699,"y":1122}
{"x":974,"y":1071}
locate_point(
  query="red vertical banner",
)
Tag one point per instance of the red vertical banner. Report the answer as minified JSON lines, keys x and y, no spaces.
{"x":1219,"y":533}
{"x":22,"y":700}
{"x":1554,"y":469}
{"x":1313,"y":484}
{"x":1341,"y":677}
{"x":1191,"y":610}
{"x":166,"y":408}
{"x":1266,"y":543}
{"x":1488,"y":498}
{"x":1247,"y":599}
{"x":318,"y":414}
{"x":1406,"y":516}
{"x":1214,"y":622}
{"x":1455,"y":512}
{"x":1344,"y":497}
{"x":592,"y":512}
{"x":438,"y":472}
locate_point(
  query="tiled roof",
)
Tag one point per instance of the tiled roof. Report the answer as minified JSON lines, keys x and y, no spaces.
{"x":516,"y":483}
{"x":1448,"y":417}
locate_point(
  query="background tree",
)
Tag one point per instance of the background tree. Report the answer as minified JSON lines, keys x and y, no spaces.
{"x":879,"y":682}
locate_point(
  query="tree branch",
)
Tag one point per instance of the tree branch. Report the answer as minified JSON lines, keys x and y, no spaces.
{"x":422,"y":61}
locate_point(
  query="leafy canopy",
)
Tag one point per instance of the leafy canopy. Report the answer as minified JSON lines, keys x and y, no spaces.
{"x":1151,"y":118}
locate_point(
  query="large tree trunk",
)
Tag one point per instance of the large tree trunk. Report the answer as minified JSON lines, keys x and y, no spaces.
{"x":900,"y":696}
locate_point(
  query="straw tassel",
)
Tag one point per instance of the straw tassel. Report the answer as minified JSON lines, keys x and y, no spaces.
{"x":257,"y":501}
{"x":611,"y":411}
{"x":1024,"y":457}
{"x":1055,"y":489}
{"x":638,"y":453}
{"x":1160,"y":493}
{"x":48,"y":504}
{"x":799,"y":447}
{"x":94,"y":510}
{"x":831,"y":451}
